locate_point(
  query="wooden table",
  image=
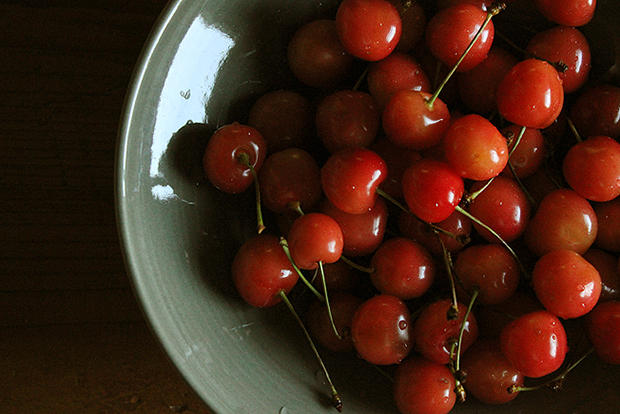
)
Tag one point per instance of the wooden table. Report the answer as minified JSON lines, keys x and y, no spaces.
{"x":72,"y":338}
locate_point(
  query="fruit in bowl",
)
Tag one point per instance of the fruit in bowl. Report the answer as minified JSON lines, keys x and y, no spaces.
{"x":188,"y":222}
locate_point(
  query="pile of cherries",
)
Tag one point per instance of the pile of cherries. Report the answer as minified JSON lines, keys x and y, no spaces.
{"x":461,"y":212}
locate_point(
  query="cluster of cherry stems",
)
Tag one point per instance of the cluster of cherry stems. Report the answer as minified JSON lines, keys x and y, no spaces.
{"x":488,"y":213}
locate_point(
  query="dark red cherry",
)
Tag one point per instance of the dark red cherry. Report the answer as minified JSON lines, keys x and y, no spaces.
{"x":607,"y":266}
{"x":597,"y":112}
{"x":290,"y":179}
{"x":403,"y":268}
{"x":422,"y":386}
{"x":603,"y":329}
{"x":381,"y":330}
{"x":362,"y":233}
{"x":566,"y":283}
{"x":222,"y":160}
{"x":284,"y":118}
{"x":567,"y":45}
{"x":478,"y":86}
{"x":608,"y":218}
{"x":313,"y":238}
{"x":531,"y":94}
{"x":567,"y":12}
{"x":368,"y":29}
{"x":489,"y":373}
{"x":395,"y":73}
{"x":535,"y":343}
{"x":432,"y":190}
{"x":451,"y":30}
{"x":413,"y":19}
{"x":316,"y":56}
{"x":503,"y":206}
{"x":592,"y":168}
{"x":342,"y":307}
{"x":350,"y":179}
{"x":347,"y":119}
{"x":490,"y":269}
{"x":529,"y":154}
{"x":261,"y":269}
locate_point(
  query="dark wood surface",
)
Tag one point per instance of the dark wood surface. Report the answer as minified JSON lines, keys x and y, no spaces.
{"x":72,"y":338}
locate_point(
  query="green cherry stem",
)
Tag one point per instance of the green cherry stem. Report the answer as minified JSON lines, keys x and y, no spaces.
{"x":284,"y":244}
{"x":244,"y":159}
{"x":336,"y":401}
{"x":326,"y":296}
{"x":493,"y":11}
{"x":494,"y":233}
{"x":357,"y":266}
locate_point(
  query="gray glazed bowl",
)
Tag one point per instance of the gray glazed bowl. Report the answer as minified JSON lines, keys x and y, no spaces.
{"x":205,"y":62}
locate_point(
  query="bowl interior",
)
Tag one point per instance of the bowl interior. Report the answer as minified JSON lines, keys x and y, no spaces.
{"x":204,"y":64}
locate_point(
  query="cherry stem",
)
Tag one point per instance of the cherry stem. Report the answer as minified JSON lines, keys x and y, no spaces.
{"x":472,"y":196}
{"x":336,"y":401}
{"x":361,"y":78}
{"x":329,"y":308}
{"x":559,"y":65}
{"x":554,"y":384}
{"x":462,"y":331}
{"x":392,"y":200}
{"x":357,"y":266}
{"x":493,"y":11}
{"x":512,"y":168}
{"x":453,"y":311}
{"x":574,"y":130}
{"x":284,"y":244}
{"x":244,"y":159}
{"x":494,"y":233}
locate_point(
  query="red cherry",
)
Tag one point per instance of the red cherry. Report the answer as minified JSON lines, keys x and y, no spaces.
{"x":350,"y":179}
{"x":489,"y":373}
{"x":316,"y":56}
{"x":221,"y":160}
{"x":423,"y":387}
{"x":290,"y":179}
{"x":568,"y":46}
{"x":403,"y":268}
{"x":347,"y":119}
{"x":592,"y":168}
{"x":531,"y":94}
{"x":566,"y":283}
{"x":362,"y":233}
{"x":475,"y":148}
{"x":433,"y":334}
{"x":409,"y":122}
{"x":284,"y":118}
{"x":313,"y":238}
{"x":478,"y":86}
{"x":597,"y":112}
{"x":489,"y":268}
{"x":503,"y":206}
{"x":261,"y":269}
{"x":603,"y":329}
{"x":564,"y":220}
{"x":567,"y":12}
{"x":397,"y":72}
{"x":535,"y":343}
{"x":450,"y":31}
{"x":432,"y":190}
{"x":368,"y":29}
{"x":381,"y":330}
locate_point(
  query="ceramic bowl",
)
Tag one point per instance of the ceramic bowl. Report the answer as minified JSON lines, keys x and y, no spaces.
{"x":204,"y":64}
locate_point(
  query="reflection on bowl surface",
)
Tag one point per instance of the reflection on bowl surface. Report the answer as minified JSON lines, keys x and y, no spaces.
{"x":204,"y":65}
